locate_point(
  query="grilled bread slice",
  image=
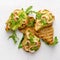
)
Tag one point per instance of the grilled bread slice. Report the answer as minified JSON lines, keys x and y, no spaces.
{"x":46,"y":34}
{"x":43,"y":18}
{"x":17,"y":19}
{"x":31,"y":43}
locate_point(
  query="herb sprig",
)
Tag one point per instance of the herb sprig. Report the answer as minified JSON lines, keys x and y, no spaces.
{"x":14,"y":37}
{"x":20,"y":44}
{"x":38,"y":15}
{"x":55,"y":41}
{"x":28,"y":10}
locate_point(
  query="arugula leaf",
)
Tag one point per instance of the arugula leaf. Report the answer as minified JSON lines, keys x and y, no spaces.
{"x":33,"y":12}
{"x":55,"y":41}
{"x":28,"y":10}
{"x":14,"y":37}
{"x":20,"y":44}
{"x":31,"y":38}
{"x":31,"y":23}
{"x":43,"y":22}
{"x":22,"y":15}
{"x":34,"y":48}
{"x":38,"y":15}
{"x":12,"y":15}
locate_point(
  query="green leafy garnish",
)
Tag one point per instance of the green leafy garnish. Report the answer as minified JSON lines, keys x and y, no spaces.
{"x":35,"y":48}
{"x":43,"y":22}
{"x":38,"y":15}
{"x":55,"y":41}
{"x":33,"y":12}
{"x":31,"y":23}
{"x":28,"y":10}
{"x":14,"y":37}
{"x":31,"y":39}
{"x":12,"y":15}
{"x":20,"y":44}
{"x":22,"y":15}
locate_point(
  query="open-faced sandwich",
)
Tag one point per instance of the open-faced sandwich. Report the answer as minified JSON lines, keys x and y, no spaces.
{"x":44,"y":18}
{"x":17,"y":19}
{"x":31,"y":42}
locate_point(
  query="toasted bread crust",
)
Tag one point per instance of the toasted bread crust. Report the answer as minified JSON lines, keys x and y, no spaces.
{"x":46,"y":34}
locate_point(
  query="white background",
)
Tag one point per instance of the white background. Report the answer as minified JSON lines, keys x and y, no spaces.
{"x":8,"y":50}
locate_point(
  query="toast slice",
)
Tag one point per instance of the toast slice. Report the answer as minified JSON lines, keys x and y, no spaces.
{"x":46,"y":34}
{"x":31,"y":42}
